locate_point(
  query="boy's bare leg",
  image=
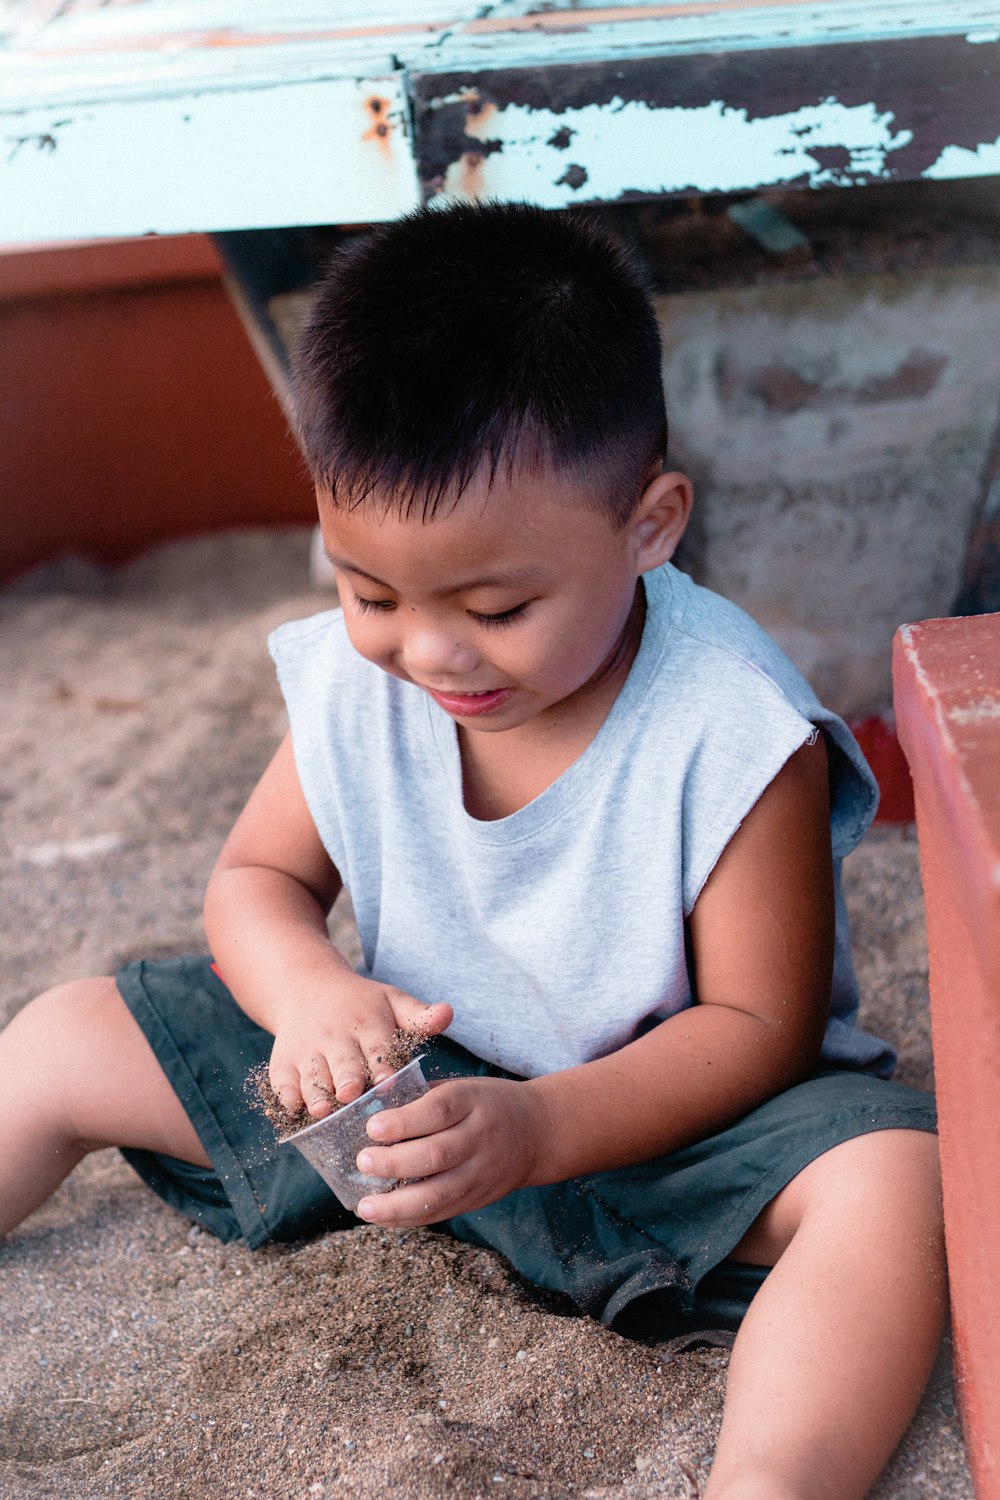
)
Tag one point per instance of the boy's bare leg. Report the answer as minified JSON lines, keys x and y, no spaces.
{"x":833,"y":1355}
{"x":78,"y":1074}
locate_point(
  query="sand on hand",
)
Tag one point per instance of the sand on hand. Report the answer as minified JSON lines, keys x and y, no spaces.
{"x":142,"y":1358}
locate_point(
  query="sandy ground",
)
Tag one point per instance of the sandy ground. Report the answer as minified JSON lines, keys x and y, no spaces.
{"x":139,"y":1357}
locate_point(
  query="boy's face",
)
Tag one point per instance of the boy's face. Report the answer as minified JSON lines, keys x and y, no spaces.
{"x":503,"y":608}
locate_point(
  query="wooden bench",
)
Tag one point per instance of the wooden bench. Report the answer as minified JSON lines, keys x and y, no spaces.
{"x":164,"y":116}
{"x":947,"y":697}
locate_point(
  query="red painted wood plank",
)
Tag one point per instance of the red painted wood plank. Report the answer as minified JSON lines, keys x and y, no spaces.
{"x":881,"y":749}
{"x":946,"y":676}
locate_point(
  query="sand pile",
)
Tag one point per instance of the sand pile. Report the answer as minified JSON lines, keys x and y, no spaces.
{"x":140,"y":1357}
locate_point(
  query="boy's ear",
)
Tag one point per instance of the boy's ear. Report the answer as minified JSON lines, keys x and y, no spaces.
{"x":659,"y":519}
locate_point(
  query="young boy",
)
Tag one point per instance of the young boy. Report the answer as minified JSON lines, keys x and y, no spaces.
{"x":592,"y":820}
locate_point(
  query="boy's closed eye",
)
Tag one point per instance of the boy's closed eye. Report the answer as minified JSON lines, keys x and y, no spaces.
{"x":499,"y":618}
{"x":368,"y":606}
{"x":502,"y":617}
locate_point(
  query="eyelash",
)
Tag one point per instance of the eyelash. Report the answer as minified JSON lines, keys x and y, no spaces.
{"x":505,"y":617}
{"x":372,"y":606}
{"x":492,"y":622}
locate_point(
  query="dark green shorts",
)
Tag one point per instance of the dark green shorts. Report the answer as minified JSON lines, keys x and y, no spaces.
{"x":641,"y":1247}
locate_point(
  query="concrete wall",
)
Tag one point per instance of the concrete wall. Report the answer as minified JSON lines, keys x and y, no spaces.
{"x":839,"y":431}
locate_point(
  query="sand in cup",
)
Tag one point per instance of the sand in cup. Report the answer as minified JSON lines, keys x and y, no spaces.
{"x":331,"y":1146}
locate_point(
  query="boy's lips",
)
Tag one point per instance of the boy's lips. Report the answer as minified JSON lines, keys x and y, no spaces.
{"x":467,"y":705}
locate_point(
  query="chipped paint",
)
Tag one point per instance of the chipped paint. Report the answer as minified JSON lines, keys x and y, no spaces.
{"x":959,"y":161}
{"x":980,"y":712}
{"x":632,"y":146}
{"x":329,"y":155}
{"x":357,"y":113}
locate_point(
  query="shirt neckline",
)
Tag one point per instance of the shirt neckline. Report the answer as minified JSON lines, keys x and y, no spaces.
{"x":561,"y":795}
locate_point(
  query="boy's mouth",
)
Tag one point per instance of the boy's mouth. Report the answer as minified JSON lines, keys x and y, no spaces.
{"x":468,"y":705}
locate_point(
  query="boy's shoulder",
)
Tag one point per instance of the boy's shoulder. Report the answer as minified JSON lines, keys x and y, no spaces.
{"x":736,"y":697}
{"x":293,"y":634}
{"x":317,"y":644}
{"x":716,"y":649}
{"x":707,"y":622}
{"x":326,"y":682}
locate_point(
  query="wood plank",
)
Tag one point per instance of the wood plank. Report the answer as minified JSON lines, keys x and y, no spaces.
{"x":295,"y":153}
{"x":946,"y":677}
{"x":840,"y":114}
{"x":215,"y":116}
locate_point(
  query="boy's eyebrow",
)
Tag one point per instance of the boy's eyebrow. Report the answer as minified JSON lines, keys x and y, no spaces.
{"x":509,"y":579}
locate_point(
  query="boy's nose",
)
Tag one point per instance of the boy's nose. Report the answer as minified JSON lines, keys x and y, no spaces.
{"x":434,"y":657}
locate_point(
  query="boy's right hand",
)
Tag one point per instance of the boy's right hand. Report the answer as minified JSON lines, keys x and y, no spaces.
{"x":337,"y":1044}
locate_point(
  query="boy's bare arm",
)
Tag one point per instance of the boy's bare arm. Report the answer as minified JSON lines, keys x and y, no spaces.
{"x":762,"y":935}
{"x":762,"y":938}
{"x":265,"y":916}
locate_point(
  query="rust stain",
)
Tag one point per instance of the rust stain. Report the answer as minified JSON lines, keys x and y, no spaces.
{"x":379,"y":131}
{"x":470,"y":174}
{"x":481,"y":110}
{"x":574,"y":20}
{"x":224,"y":37}
{"x":472,"y":99}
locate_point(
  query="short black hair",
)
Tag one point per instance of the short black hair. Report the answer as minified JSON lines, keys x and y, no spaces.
{"x":492,"y":337}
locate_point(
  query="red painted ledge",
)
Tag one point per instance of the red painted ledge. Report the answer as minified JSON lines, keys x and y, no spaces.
{"x":946,"y":676}
{"x":881,"y":748}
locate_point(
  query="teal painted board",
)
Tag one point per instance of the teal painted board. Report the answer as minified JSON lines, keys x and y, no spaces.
{"x":646,"y":124}
{"x":161,"y":116}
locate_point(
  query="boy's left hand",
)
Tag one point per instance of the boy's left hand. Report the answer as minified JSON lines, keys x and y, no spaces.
{"x":467,"y":1142}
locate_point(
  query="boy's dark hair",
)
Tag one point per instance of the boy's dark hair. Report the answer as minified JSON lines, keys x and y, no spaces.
{"x":494,"y":337}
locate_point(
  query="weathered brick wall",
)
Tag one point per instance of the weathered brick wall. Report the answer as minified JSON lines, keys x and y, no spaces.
{"x":840,"y":433}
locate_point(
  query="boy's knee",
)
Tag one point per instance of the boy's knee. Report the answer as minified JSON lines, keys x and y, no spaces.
{"x":885,"y":1176}
{"x":51,"y":1036}
{"x":886,"y":1173}
{"x":76,"y":1003}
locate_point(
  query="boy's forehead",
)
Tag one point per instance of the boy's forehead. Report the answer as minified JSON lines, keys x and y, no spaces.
{"x":507,"y":536}
{"x":471,"y":546}
{"x":527,"y":491}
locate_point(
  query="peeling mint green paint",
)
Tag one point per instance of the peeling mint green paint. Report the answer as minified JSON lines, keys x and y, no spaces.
{"x":174,"y":115}
{"x":233,"y":159}
{"x":959,"y":161}
{"x":622,"y":146}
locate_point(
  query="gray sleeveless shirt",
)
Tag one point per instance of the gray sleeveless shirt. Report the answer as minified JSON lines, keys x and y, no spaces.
{"x":557,"y":934}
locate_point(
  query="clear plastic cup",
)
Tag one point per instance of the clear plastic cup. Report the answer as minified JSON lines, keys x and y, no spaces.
{"x":331,"y":1145}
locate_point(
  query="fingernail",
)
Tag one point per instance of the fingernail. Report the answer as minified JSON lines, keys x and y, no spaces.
{"x":376,"y":1128}
{"x":364,"y":1208}
{"x":365,"y":1161}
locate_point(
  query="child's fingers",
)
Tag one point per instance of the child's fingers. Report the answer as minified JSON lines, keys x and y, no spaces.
{"x":376,"y":1053}
{"x":348,"y":1072}
{"x":285,"y":1083}
{"x":412,"y":1015}
{"x":426,"y":1156}
{"x":317,"y":1088}
{"x":422,"y":1202}
{"x":439,"y":1109}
